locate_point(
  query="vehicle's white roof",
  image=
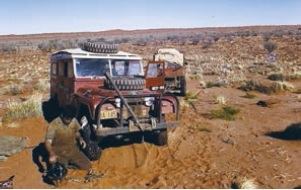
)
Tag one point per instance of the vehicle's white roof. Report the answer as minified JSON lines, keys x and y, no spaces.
{"x":80,"y":53}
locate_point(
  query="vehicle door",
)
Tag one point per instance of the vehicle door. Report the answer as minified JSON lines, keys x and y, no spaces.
{"x":154,"y":75}
{"x":65,"y":81}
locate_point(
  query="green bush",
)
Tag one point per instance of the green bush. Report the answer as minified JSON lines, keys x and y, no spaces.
{"x":227,"y":112}
{"x":250,"y":96}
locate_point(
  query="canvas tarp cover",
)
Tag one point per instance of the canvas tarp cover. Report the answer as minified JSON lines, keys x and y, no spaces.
{"x":169,"y":55}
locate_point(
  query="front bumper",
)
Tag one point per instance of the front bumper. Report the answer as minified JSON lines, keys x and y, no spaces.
{"x":105,"y":131}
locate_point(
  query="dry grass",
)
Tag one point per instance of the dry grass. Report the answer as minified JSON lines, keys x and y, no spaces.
{"x":244,"y":183}
{"x":249,"y":95}
{"x":220,"y":99}
{"x":20,"y":110}
{"x":279,"y":86}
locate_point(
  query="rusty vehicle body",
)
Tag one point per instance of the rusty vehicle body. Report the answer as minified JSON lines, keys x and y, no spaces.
{"x":175,"y":71}
{"x":112,"y":92}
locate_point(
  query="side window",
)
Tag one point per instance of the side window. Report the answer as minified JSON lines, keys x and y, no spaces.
{"x":54,"y":68}
{"x":61,"y":68}
{"x":65,"y":68}
{"x":70,"y":69}
{"x":154,"y":70}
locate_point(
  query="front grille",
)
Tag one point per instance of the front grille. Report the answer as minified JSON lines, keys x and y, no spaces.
{"x":137,"y":106}
{"x":139,"y":110}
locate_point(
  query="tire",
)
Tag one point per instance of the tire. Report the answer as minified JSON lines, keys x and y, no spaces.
{"x":92,"y":150}
{"x":99,"y":47}
{"x":160,"y":138}
{"x":183,"y":86}
{"x":126,"y":84}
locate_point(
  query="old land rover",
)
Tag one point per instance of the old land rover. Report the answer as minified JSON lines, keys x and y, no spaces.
{"x":111,"y":90}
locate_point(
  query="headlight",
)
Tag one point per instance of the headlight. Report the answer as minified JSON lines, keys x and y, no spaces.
{"x":117,"y":102}
{"x":149,"y":101}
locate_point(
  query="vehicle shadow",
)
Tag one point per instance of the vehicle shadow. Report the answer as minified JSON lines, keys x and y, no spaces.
{"x":292,"y":132}
{"x":40,"y":158}
{"x":111,"y":141}
{"x":50,"y":110}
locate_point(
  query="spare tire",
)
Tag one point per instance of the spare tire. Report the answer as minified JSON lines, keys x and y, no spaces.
{"x":126,"y":83}
{"x":97,"y":47}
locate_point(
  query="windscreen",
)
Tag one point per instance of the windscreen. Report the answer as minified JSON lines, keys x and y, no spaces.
{"x":126,"y":67}
{"x":91,"y":67}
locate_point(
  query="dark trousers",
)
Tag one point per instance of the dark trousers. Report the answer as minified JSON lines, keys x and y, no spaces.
{"x":73,"y":156}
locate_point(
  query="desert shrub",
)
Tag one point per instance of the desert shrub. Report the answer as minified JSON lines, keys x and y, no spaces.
{"x":243,"y":183}
{"x":8,"y":48}
{"x":122,"y":40}
{"x":215,"y":38}
{"x":250,"y":85}
{"x":26,"y":109}
{"x":14,"y":89}
{"x":203,"y":129}
{"x":227,"y":112}
{"x":270,"y":46}
{"x":220,"y":99}
{"x":250,"y":96}
{"x":279,"y":86}
{"x":211,"y":84}
{"x":255,"y":85}
{"x":277,"y":77}
{"x":298,"y":91}
{"x":282,"y":77}
{"x":45,"y":47}
{"x":266,"y":36}
{"x":195,"y":76}
{"x":42,"y":85}
{"x":189,"y":97}
{"x":200,"y":127}
{"x":207,"y":43}
{"x":140,"y":42}
{"x":234,"y":77}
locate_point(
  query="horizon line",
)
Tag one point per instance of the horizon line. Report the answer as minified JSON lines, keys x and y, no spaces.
{"x":140,"y":29}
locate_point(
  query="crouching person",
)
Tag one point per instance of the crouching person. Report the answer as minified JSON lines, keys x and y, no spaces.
{"x":62,"y":141}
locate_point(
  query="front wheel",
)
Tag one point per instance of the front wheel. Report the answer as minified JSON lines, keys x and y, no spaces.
{"x":160,"y":137}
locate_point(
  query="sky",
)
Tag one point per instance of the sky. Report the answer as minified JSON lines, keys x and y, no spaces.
{"x":49,"y":16}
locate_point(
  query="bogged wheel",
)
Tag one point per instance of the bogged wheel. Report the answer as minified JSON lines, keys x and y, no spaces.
{"x":100,"y":47}
{"x":128,"y":84}
{"x":160,"y":138}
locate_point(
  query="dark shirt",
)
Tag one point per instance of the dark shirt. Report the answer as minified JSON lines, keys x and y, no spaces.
{"x":62,"y":136}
